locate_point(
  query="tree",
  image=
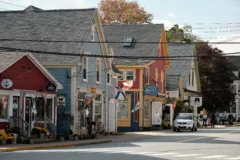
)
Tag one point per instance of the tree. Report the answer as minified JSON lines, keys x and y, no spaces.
{"x":176,"y":34}
{"x":123,"y":12}
{"x":216,"y":78}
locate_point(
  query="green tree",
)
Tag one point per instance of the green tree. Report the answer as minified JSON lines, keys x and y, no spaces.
{"x":216,"y":78}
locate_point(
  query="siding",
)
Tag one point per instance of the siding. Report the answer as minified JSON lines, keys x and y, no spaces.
{"x":63,"y":75}
{"x":26,"y":79}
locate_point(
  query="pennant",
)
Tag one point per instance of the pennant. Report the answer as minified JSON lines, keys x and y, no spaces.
{"x":136,"y":107}
{"x":120,"y":94}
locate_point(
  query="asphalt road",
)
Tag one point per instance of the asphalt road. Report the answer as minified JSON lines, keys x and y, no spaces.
{"x":162,"y":145}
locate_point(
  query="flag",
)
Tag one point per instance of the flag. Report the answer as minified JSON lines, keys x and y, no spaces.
{"x":127,"y":85}
{"x":174,"y":103}
{"x":136,"y":107}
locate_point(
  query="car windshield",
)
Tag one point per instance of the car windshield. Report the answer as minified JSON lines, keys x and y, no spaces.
{"x":184,"y":117}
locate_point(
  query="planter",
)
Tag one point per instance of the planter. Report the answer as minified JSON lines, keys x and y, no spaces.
{"x":3,"y":142}
{"x":61,"y":139}
{"x":75,"y":138}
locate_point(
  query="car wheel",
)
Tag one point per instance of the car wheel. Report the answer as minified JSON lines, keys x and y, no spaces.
{"x":174,"y":129}
{"x":178,"y":130}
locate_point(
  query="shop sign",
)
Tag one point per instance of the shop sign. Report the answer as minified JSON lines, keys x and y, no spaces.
{"x":151,"y":90}
{"x":196,"y":101}
{"x":61,"y":101}
{"x":6,"y":83}
{"x":51,"y":87}
{"x":93,"y":90}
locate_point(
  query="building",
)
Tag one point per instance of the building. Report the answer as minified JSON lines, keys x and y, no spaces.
{"x":57,"y":38}
{"x":148,"y":75}
{"x":26,"y":86}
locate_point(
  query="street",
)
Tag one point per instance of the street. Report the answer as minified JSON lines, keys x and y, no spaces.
{"x":218,"y":143}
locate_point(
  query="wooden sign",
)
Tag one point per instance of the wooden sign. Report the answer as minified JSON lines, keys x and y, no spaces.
{"x":93,"y":90}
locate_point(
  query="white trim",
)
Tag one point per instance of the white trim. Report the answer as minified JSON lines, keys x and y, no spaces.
{"x":100,"y":67}
{"x":73,"y":96}
{"x":12,"y":63}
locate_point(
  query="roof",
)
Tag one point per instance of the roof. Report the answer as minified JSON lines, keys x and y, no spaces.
{"x":115,"y":70}
{"x":140,"y":33}
{"x":182,"y":66}
{"x":9,"y":58}
{"x":52,"y":25}
{"x":172,"y":82}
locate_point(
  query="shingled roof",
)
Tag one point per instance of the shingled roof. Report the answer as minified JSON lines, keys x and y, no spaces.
{"x":53,"y":25}
{"x":172,"y":82}
{"x":182,"y":66}
{"x":140,"y":33}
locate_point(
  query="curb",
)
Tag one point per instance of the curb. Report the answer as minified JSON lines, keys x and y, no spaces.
{"x":53,"y":146}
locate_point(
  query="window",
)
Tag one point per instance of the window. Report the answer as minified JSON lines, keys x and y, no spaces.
{"x":130,"y":75}
{"x":192,"y":77}
{"x":4,"y":107}
{"x":85,"y":66}
{"x":108,"y":78}
{"x":92,"y":32}
{"x":120,"y":78}
{"x":49,"y":108}
{"x":147,"y":76}
{"x":98,"y":68}
{"x":127,"y":42}
{"x":189,"y":79}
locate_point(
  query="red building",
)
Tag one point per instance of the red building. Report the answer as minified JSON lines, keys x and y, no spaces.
{"x":148,"y":75}
{"x":27,"y":90}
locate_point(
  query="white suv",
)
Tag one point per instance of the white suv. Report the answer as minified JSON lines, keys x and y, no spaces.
{"x":185,"y":121}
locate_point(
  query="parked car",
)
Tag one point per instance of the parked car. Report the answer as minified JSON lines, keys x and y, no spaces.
{"x":185,"y":121}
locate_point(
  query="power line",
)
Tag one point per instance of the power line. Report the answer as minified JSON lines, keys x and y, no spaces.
{"x":149,"y":42}
{"x":12,"y":4}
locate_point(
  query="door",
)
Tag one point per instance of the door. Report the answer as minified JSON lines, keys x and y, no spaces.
{"x":134,"y":111}
{"x":28,"y":107}
{"x":15,"y":112}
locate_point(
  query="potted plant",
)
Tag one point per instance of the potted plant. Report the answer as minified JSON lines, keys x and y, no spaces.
{"x":76,"y":136}
{"x":3,"y":139}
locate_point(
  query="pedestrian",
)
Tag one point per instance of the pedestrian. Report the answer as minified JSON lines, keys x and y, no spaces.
{"x":213,"y":120}
{"x":205,"y":120}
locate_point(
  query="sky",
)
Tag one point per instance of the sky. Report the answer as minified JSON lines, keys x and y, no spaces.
{"x":212,"y":20}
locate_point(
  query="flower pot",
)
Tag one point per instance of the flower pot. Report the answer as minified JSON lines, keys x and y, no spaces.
{"x":75,"y":138}
{"x":61,"y":139}
{"x":3,"y":142}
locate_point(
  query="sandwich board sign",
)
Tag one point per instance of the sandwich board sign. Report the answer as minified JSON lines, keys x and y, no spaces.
{"x":196,"y":101}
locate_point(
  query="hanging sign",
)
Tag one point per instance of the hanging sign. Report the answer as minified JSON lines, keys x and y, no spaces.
{"x":93,"y":90}
{"x":196,"y":101}
{"x":51,"y":87}
{"x":6,"y":83}
{"x":151,"y":90}
{"x":61,"y":101}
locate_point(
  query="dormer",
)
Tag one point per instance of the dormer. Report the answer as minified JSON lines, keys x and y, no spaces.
{"x":127,"y":41}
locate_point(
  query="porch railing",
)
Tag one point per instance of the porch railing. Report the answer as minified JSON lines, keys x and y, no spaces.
{"x":17,"y":121}
{"x":50,"y":126}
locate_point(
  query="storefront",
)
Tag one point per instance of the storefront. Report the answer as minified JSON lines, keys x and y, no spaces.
{"x":27,"y":90}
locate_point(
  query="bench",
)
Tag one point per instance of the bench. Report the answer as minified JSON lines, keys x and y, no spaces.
{"x":8,"y":135}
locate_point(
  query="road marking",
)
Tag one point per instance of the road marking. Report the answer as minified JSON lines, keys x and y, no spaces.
{"x":164,"y":154}
{"x":233,"y":158}
{"x":187,"y":155}
{"x":140,"y":153}
{"x":216,"y":156}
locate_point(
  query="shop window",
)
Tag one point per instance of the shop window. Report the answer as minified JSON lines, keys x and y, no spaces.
{"x":49,"y":108}
{"x":123,"y":109}
{"x":4,"y":107}
{"x":81,"y":101}
{"x":40,"y":108}
{"x":98,"y":107}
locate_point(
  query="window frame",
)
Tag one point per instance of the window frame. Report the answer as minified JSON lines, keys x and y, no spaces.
{"x":132,"y":75}
{"x":85,"y":60}
{"x":98,"y":72}
{"x":147,"y":75}
{"x":108,"y":82}
{"x":92,"y":35}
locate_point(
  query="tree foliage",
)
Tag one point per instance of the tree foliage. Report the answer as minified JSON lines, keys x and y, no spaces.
{"x":177,"y":34}
{"x":123,"y":12}
{"x":216,"y":78}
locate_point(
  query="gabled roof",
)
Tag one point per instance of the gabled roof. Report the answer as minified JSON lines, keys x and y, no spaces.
{"x":172,"y":82}
{"x":182,"y":66}
{"x":53,"y":25}
{"x":7,"y":59}
{"x":140,"y":33}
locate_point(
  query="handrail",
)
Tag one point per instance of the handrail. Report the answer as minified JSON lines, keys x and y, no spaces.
{"x":21,"y":123}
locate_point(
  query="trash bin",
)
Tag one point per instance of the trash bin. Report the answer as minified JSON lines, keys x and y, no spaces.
{"x":15,"y":138}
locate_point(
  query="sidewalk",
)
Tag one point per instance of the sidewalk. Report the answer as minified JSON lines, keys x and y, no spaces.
{"x":52,"y":145}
